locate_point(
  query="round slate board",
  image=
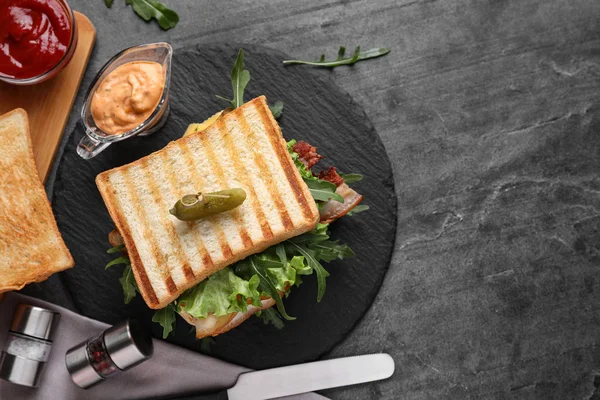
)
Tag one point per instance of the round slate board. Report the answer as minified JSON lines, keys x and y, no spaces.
{"x":316,"y":111}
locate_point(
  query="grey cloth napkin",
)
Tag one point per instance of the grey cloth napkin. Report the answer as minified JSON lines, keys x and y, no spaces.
{"x":173,"y":371}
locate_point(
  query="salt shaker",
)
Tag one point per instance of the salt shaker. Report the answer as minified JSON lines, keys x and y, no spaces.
{"x":28,"y":344}
{"x":118,"y":348}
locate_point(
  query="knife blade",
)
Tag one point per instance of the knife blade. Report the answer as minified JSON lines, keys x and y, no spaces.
{"x":308,"y":377}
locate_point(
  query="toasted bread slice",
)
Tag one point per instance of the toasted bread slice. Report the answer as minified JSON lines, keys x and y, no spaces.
{"x":243,"y":149}
{"x":31,"y":248}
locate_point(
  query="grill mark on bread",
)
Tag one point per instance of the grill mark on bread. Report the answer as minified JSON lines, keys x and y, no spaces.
{"x":165,"y":218}
{"x":160,"y":257}
{"x":274,"y":138}
{"x":195,"y":177}
{"x":123,"y":226}
{"x":219,"y":176}
{"x":200,"y":247}
{"x":265,"y":228}
{"x":273,"y":189}
{"x":204,"y":255}
{"x":171,"y":286}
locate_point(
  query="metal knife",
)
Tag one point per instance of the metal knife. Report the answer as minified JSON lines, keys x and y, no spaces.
{"x":302,"y":378}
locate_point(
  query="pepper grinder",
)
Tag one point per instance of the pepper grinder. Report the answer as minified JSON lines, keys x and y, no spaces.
{"x":119,"y":348}
{"x":28,"y":344}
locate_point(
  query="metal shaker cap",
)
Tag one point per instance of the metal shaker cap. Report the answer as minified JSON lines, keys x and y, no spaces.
{"x":34,"y":321}
{"x":128,"y":344}
{"x":19,"y":370}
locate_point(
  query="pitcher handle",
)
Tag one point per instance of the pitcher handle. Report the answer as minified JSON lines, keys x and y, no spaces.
{"x":89,"y":147}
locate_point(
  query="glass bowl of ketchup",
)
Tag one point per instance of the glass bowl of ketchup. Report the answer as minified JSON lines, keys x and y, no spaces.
{"x":128,"y":97}
{"x":37,"y":39}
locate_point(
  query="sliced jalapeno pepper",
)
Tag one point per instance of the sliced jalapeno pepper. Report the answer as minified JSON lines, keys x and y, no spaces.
{"x":200,"y":205}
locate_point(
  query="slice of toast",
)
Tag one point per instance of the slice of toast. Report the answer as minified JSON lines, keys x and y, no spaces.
{"x":31,"y":248}
{"x":243,"y":149}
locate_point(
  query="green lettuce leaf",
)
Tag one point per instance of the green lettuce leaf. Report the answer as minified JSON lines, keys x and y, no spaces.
{"x":220,"y":294}
{"x":283,"y":277}
{"x":298,"y":263}
{"x":300,"y":266}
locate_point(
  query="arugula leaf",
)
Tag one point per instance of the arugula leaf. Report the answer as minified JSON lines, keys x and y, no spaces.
{"x":148,"y":9}
{"x":108,"y":3}
{"x":115,"y":249}
{"x":313,"y":236}
{"x":116,"y":261}
{"x":166,"y":318}
{"x":351,"y":178}
{"x":331,"y":250}
{"x":267,"y":285}
{"x":205,"y":344}
{"x":322,"y":274}
{"x":322,"y":190}
{"x":130,"y":288}
{"x":277,"y":109}
{"x":239,"y":80}
{"x":270,"y":316}
{"x":341,"y":59}
{"x":280,"y":250}
{"x":128,"y":282}
{"x":358,"y":209}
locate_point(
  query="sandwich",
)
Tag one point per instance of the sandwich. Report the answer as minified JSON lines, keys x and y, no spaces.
{"x":31,"y":247}
{"x":216,"y":270}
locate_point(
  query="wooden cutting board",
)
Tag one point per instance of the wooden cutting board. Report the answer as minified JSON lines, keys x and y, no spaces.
{"x":49,"y":103}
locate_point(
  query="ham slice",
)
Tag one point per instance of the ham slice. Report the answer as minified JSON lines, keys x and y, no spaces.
{"x":213,"y":326}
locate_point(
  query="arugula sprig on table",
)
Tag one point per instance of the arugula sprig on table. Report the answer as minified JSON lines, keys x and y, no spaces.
{"x":149,"y":9}
{"x":342,"y":59}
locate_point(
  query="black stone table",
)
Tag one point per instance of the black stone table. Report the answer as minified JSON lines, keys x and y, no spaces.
{"x":489,"y":112}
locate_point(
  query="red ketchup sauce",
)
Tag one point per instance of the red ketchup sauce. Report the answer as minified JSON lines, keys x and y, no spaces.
{"x":34,"y":36}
